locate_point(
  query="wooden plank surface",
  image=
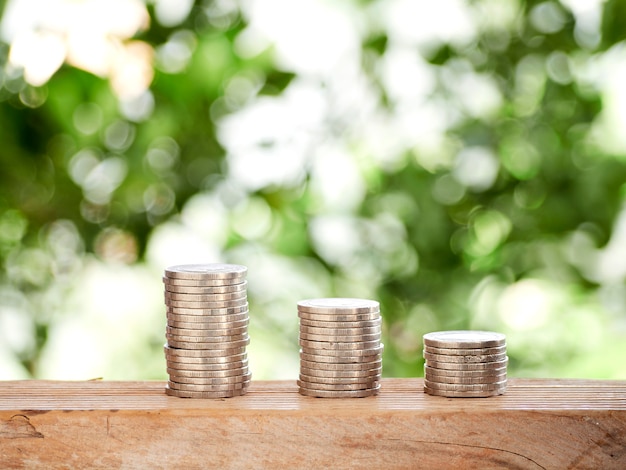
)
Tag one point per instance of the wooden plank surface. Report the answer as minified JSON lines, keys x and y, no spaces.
{"x":536,"y":424}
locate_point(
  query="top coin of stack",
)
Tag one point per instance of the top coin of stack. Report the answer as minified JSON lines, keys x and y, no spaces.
{"x":465,"y":363}
{"x":207,"y":330}
{"x":341,"y":352}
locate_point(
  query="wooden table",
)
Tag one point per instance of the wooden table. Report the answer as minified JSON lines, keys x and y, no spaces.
{"x":537,"y":424}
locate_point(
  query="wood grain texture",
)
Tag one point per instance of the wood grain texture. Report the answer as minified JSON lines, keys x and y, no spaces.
{"x":536,"y":424}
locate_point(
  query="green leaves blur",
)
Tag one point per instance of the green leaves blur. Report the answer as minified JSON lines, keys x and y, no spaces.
{"x":518,"y":187}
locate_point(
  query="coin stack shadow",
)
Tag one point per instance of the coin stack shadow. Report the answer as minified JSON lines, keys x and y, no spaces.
{"x":207,"y":330}
{"x":465,"y":363}
{"x":341,"y":352}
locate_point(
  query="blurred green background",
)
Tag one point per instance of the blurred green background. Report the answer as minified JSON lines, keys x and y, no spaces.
{"x":462,"y":162}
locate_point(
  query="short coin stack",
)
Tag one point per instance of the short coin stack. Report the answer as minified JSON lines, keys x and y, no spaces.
{"x":207,"y":330}
{"x":465,"y":363}
{"x":341,"y":352}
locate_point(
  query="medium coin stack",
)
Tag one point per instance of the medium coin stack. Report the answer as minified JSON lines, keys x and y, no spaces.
{"x":465,"y":363}
{"x":341,"y":352}
{"x":207,"y":330}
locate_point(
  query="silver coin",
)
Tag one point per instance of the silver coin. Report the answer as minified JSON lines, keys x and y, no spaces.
{"x":339,"y":317}
{"x":343,"y":352}
{"x":466,"y":394}
{"x":318,"y":358}
{"x":464,"y":373}
{"x":196,"y":353}
{"x":355,"y":381}
{"x":338,"y":383}
{"x":169,"y":296}
{"x":465,"y":352}
{"x":338,"y":305}
{"x":220,"y":346}
{"x":185,"y":376}
{"x":206,"y":282}
{"x":364,"y":373}
{"x":182,"y":366}
{"x":207,"y":312}
{"x":224,"y":361}
{"x":464,"y":339}
{"x":204,"y":325}
{"x":340,"y":331}
{"x":341,"y":367}
{"x":464,"y":387}
{"x":206,"y":395}
{"x":201,"y":319}
{"x":341,"y":324}
{"x":208,"y":318}
{"x":489,"y":379}
{"x":186,"y":382}
{"x":208,"y":387}
{"x":168,"y":281}
{"x":465,"y":359}
{"x":462,"y":366}
{"x":234,"y":375}
{"x":321,"y":345}
{"x":370,"y":368}
{"x":310,"y":392}
{"x":203,"y":282}
{"x":207,"y":338}
{"x":202,"y":370}
{"x":206,"y":367}
{"x":206,"y":305}
{"x":211,"y":325}
{"x":210,"y":380}
{"x":340,"y":338}
{"x":207,"y":290}
{"x":209,"y":332}
{"x":206,"y":271}
{"x":337,"y":387}
{"x":208,"y":342}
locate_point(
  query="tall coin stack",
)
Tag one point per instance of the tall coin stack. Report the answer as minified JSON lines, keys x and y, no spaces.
{"x":207,"y":330}
{"x":341,"y":352}
{"x":465,"y":363}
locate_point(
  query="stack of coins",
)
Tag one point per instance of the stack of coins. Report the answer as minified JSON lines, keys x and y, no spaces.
{"x":341,"y":352}
{"x":207,"y":330}
{"x":465,"y":363}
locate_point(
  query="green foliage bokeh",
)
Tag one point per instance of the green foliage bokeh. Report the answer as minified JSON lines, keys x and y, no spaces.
{"x":438,"y":251}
